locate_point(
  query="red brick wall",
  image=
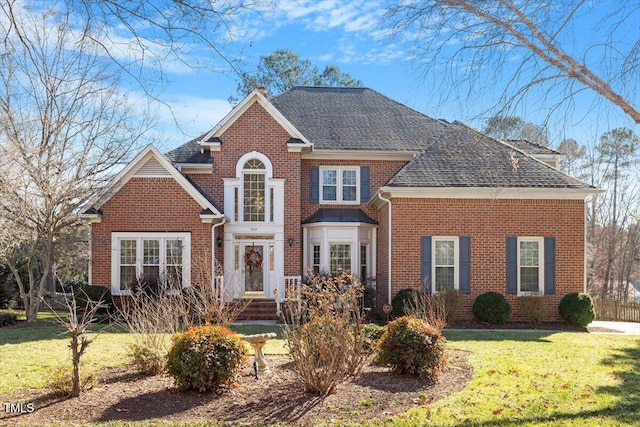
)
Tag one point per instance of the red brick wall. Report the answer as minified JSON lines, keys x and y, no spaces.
{"x":488,"y":223}
{"x":257,"y":130}
{"x":381,"y":171}
{"x":147,"y":205}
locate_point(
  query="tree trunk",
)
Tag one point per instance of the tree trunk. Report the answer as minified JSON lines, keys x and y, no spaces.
{"x":76,"y":365}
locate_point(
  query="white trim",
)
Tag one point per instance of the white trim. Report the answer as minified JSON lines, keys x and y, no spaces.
{"x":241,"y":108}
{"x":359,"y":155}
{"x":139,"y":238}
{"x":130,"y":170}
{"x":487,"y":193}
{"x":540,"y":241}
{"x":339,"y":185}
{"x":92,"y":218}
{"x":250,"y":156}
{"x":456,"y":260}
{"x":195,"y":168}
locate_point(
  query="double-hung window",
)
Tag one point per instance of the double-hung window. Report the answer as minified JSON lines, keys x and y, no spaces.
{"x":150,"y":256}
{"x":530,"y":265}
{"x":445,"y":255}
{"x":339,"y":257}
{"x":339,"y":184}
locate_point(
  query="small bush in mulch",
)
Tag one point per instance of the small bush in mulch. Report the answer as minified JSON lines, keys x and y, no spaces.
{"x":8,"y":319}
{"x":411,"y":346}
{"x":401,"y":300}
{"x":491,"y":307}
{"x":206,"y":358}
{"x":533,"y":308}
{"x":372,"y":334}
{"x":61,"y":381}
{"x":577,"y":308}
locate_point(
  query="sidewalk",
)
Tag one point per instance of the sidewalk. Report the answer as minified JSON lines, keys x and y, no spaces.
{"x":630,"y":328}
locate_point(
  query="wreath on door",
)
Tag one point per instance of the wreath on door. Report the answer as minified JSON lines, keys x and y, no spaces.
{"x":252,"y":259}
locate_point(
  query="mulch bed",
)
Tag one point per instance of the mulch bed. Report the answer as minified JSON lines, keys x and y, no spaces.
{"x":278,"y":397}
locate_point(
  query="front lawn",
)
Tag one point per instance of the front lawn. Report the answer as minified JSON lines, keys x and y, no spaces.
{"x":520,"y":378}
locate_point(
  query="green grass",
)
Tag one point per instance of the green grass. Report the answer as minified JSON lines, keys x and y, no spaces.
{"x":520,"y":378}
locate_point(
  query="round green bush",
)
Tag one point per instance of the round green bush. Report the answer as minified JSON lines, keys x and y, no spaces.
{"x":372,"y":334}
{"x":491,"y":307}
{"x":94,"y":293}
{"x":206,"y":358}
{"x":411,"y":346}
{"x":398,"y":302}
{"x":577,"y":308}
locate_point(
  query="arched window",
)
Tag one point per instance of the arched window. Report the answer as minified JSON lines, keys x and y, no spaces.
{"x":254,"y":191}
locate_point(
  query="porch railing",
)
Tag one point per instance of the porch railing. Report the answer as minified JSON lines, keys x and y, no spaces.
{"x":288,"y":290}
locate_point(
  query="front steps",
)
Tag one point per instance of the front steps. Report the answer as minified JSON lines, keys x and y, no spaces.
{"x":260,"y":309}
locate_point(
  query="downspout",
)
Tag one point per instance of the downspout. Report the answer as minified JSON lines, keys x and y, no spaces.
{"x":213,"y":252}
{"x":389,"y":247}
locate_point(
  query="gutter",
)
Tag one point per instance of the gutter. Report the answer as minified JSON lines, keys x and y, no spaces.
{"x":389,"y":296}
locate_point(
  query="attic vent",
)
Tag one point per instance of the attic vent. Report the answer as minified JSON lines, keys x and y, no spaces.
{"x":152,"y":168}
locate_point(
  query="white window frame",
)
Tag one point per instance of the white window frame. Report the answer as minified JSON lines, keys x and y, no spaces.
{"x":350,"y":244}
{"x":116,"y":237}
{"x":339,"y":170}
{"x":540,"y":241}
{"x":456,"y":261}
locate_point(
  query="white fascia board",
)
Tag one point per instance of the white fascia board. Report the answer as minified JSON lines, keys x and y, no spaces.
{"x":488,"y":193}
{"x":195,"y":168}
{"x":92,"y":218}
{"x":358,"y":155}
{"x":242,"y":107}
{"x":129,"y":171}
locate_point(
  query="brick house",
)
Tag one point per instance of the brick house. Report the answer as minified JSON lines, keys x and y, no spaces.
{"x":343,"y":178}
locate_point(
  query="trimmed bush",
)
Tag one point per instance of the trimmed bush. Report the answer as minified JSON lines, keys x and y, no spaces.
{"x":148,"y":360}
{"x":372,"y":334}
{"x":94,"y":293}
{"x":411,"y":346}
{"x":491,"y":307}
{"x":206,"y":358}
{"x":577,"y":308}
{"x":533,"y":308}
{"x":8,"y":319}
{"x":399,"y":302}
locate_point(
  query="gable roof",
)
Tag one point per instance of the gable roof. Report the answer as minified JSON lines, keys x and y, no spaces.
{"x":335,"y":118}
{"x":151,"y":163}
{"x":256,"y":96}
{"x":468,"y":158}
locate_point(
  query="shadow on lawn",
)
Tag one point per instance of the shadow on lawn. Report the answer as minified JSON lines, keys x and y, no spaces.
{"x":498,"y":335}
{"x":625,"y":363}
{"x":46,"y":330}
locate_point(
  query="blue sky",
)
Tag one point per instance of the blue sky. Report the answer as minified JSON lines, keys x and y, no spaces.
{"x":348,"y":34}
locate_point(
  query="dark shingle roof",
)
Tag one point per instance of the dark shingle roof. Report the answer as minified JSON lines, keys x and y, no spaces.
{"x":189,"y":152}
{"x":335,"y":118}
{"x":339,"y":215}
{"x":531,"y":147}
{"x":468,"y":158}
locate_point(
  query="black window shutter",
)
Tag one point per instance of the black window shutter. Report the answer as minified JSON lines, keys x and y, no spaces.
{"x":425,"y":263}
{"x":314,"y":185}
{"x":365,"y":183}
{"x":512,"y":265}
{"x":465,"y":264}
{"x":550,"y":265}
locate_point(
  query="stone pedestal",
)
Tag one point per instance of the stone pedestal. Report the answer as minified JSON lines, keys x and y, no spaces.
{"x":258,"y":341}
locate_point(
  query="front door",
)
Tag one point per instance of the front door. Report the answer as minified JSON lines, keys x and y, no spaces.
{"x":254,"y":269}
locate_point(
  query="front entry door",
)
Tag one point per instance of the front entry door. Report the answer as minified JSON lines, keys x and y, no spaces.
{"x":254,"y":271}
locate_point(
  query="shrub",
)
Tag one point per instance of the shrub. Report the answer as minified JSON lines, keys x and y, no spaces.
{"x":452,"y":301}
{"x":324,"y":332}
{"x":491,"y":307}
{"x":411,"y":346}
{"x":206,"y":358}
{"x":8,"y":319}
{"x":61,"y":381}
{"x":533,"y":308}
{"x":148,"y":360}
{"x":400,"y":301}
{"x":372,"y":334}
{"x":96,"y":294}
{"x":577,"y":308}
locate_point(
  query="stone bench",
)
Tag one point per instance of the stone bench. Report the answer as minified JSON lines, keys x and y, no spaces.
{"x":258,"y":341}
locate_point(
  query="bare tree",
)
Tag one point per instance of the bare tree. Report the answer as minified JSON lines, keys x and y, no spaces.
{"x":531,"y":44}
{"x":64,"y":125}
{"x":513,"y":127}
